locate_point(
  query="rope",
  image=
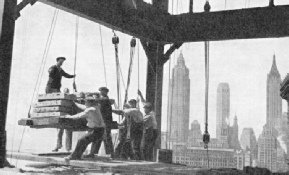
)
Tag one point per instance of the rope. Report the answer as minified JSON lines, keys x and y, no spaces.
{"x":75,"y":51}
{"x":138,"y":65}
{"x":104,"y":69}
{"x":44,"y":57}
{"x":47,"y":46}
{"x":19,"y":73}
{"x":117,"y":69}
{"x":206,"y":138}
{"x":132,"y":50}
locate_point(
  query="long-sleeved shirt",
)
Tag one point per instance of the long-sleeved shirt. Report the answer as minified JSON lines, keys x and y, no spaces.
{"x":55,"y":75}
{"x":106,"y":109}
{"x":134,"y":113}
{"x":93,"y":117}
{"x":150,"y":121}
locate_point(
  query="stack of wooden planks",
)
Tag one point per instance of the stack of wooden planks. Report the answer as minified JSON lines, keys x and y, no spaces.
{"x":50,"y":110}
{"x":54,"y":105}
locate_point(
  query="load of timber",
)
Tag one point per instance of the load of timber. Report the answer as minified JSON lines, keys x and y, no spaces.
{"x":50,"y":111}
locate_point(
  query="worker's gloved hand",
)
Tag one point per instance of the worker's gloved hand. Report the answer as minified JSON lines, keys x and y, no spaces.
{"x":112,"y":101}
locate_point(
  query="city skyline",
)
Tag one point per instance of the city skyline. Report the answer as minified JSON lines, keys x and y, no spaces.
{"x":244,"y":64}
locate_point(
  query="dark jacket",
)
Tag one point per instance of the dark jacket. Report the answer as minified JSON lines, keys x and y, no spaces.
{"x":55,"y":76}
{"x":106,"y":110}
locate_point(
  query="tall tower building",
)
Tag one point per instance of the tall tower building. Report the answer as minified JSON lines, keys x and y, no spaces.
{"x":274,"y":100}
{"x":234,"y":135}
{"x":179,"y":102}
{"x":248,"y":141}
{"x":223,"y":111}
{"x":267,"y":142}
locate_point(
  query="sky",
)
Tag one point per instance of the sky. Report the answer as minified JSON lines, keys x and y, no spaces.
{"x":244,"y":64}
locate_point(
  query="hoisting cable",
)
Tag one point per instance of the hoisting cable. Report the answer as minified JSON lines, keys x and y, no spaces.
{"x":75,"y":51}
{"x":132,"y":50}
{"x":102,"y":55}
{"x":115,"y":41}
{"x":206,"y":136}
{"x":138,"y":72}
{"x":44,"y":58}
{"x":47,"y":46}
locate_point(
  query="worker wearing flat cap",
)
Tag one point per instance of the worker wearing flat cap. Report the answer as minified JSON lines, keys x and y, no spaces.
{"x":95,"y":124}
{"x":54,"y":85}
{"x":134,"y":120}
{"x":150,"y":132}
{"x":55,"y":75}
{"x":106,"y":111}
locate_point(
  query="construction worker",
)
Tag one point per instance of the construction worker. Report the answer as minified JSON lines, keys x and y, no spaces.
{"x":55,"y":75}
{"x":53,"y":86}
{"x":106,"y":111}
{"x":94,"y":121}
{"x":134,"y":119}
{"x":150,"y":132}
{"x":123,"y":149}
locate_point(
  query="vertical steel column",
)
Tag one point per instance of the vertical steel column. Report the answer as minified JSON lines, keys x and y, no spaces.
{"x":7,"y":24}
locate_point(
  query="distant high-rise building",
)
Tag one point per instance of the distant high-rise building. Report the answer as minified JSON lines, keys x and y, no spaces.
{"x":234,"y":135}
{"x":195,"y":132}
{"x":267,"y":142}
{"x":248,"y":139}
{"x":223,"y":111}
{"x":274,"y":100}
{"x":179,"y":102}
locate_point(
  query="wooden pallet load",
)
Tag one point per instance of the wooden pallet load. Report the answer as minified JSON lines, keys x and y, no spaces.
{"x":50,"y":110}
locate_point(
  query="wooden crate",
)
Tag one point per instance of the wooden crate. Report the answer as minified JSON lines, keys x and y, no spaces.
{"x":48,"y":114}
{"x":53,"y":109}
{"x":56,"y":96}
{"x":66,"y":103}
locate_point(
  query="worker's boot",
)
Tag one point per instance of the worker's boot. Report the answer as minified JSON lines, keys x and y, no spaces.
{"x":88,"y":156}
{"x":58,"y":146}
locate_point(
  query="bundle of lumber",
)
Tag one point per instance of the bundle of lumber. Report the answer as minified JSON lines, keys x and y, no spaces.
{"x":50,"y":111}
{"x":54,"y":105}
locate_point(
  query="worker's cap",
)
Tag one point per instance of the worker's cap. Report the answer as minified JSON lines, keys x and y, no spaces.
{"x":60,"y":58}
{"x":89,"y":97}
{"x":126,"y":106}
{"x":148,"y":105}
{"x":103,"y":89}
{"x":132,"y":101}
{"x":82,"y":95}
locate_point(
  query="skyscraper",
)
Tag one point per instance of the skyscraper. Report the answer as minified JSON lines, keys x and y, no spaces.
{"x":179,"y":102}
{"x":274,"y":100}
{"x":223,"y":111}
{"x":234,"y":135}
{"x":248,"y":141}
{"x":267,"y":142}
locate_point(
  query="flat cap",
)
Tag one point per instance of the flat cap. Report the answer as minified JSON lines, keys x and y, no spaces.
{"x":60,"y":58}
{"x":103,"y":89}
{"x":148,"y":105}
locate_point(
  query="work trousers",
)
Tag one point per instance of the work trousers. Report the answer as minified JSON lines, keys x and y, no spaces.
{"x":121,"y":141}
{"x":149,"y":138}
{"x":50,"y":90}
{"x":108,"y":145}
{"x":93,"y":135}
{"x":131,"y":147}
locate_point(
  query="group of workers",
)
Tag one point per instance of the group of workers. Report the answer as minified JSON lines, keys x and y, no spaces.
{"x":137,"y":132}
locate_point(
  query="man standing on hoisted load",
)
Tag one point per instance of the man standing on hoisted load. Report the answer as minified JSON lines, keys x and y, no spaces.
{"x":53,"y":86}
{"x":55,"y":75}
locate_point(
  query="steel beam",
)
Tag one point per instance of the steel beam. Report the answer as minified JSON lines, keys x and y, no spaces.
{"x":154,"y":24}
